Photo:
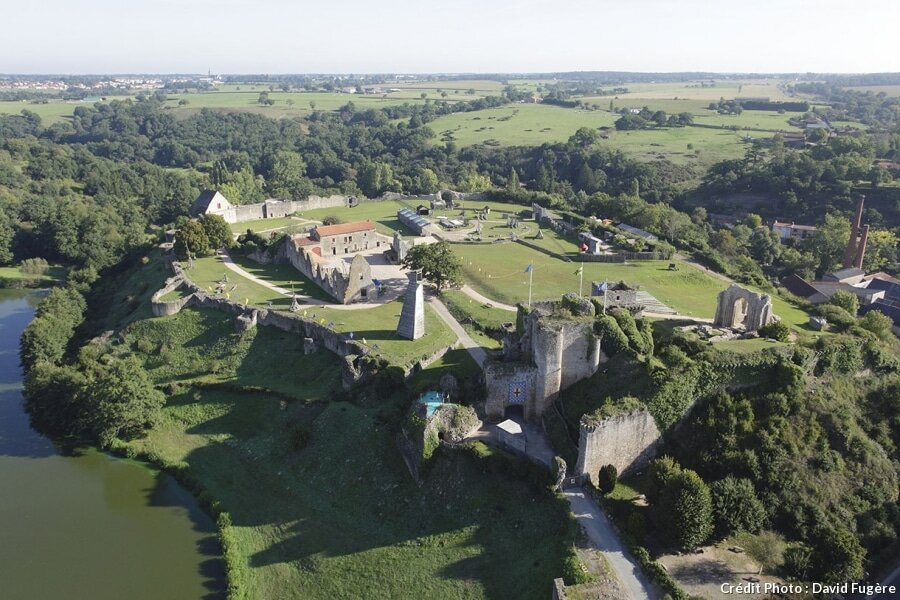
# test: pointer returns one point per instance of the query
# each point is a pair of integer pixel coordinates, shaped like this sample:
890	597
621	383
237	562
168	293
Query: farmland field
693	90
518	124
51	112
890	90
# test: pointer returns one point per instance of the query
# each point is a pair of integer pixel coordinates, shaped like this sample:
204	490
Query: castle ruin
740	308
552	348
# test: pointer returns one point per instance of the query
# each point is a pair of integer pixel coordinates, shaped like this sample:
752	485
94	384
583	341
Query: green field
14	277
535	124
383	214
517	125
758	119
497	271
376	325
287	104
292	104
335	514
694	90
51	112
268	225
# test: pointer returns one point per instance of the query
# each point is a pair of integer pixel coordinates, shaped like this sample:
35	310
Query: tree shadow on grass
347	493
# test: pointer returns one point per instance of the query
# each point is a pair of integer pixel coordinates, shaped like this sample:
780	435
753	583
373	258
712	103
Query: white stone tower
412	317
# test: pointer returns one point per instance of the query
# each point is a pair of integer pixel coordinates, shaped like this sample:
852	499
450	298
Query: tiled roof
344	228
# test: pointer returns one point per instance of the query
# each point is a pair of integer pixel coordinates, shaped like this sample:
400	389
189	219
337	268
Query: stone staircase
651	304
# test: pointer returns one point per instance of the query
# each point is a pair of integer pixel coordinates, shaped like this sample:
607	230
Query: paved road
598	529
474	349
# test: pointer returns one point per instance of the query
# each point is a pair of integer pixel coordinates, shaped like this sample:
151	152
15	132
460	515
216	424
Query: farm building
412	220
345	238
792	231
637	232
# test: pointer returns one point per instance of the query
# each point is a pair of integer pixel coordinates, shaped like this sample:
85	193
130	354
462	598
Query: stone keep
554	350
739	306
412	317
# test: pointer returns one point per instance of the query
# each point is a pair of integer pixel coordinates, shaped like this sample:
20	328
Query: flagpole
530	282
605	294
581	281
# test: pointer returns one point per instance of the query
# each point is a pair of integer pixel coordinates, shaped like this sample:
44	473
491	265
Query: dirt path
602	536
468	291
305	300
474	349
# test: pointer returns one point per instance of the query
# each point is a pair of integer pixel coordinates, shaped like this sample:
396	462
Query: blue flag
529	268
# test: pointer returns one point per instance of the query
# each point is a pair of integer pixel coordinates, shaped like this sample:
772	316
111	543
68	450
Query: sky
448	36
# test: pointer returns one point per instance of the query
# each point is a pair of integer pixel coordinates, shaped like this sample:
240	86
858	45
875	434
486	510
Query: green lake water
86	525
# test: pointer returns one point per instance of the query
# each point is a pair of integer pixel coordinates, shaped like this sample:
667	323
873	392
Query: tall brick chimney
861	251
852	250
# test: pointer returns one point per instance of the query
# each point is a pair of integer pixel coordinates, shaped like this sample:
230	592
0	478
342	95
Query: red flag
584	247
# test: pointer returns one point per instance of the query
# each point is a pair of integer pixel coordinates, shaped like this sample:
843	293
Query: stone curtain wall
164	309
628	442
280	208
319	336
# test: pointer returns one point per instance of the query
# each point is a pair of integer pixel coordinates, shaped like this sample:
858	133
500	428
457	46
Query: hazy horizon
466	37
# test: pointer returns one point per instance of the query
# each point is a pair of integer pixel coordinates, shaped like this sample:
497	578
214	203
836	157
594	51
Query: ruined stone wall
627	441
171	307
353	286
319	336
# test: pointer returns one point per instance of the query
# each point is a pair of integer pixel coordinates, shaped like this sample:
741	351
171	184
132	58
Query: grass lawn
383	214
14	277
498	272
465	308
284	276
336	516
377	325
267	225
209	270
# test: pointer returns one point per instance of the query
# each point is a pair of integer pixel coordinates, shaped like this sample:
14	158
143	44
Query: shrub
846	300
34	266
574	572
661	470
736	506
836	556
796	562
684	511
777	330
878	323
332	220
298	437
835	315
612	339
607	478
